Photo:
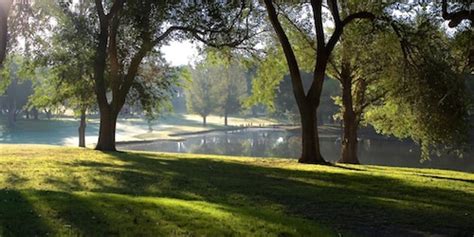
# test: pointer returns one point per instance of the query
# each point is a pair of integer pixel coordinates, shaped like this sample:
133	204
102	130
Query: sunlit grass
70	191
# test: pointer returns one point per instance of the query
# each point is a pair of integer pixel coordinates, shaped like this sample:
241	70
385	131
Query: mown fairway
47	190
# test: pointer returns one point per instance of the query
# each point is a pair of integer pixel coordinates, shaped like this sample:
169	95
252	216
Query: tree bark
307	104
311	153
108	116
108	120
82	129
120	83
349	139
204	121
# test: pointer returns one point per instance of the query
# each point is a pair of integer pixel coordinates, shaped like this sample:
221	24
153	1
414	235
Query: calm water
280	143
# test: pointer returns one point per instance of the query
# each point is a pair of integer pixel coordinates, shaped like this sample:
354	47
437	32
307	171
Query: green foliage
153	87
231	82
427	100
272	68
16	85
269	74
218	85
363	59
64	68
202	93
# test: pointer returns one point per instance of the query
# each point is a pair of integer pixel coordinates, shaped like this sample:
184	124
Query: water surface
280	143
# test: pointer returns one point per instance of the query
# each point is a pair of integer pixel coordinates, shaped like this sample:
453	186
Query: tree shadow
448	178
18	216
352	200
128	185
106	214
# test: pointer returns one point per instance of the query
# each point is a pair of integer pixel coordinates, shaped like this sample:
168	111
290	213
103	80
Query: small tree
231	86
202	91
64	69
17	87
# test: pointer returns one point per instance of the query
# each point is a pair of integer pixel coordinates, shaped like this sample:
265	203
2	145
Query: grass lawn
58	191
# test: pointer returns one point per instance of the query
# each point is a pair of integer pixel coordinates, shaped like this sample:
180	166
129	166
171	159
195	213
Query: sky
179	53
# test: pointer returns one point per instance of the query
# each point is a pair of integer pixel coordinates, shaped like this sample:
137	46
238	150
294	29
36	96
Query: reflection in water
279	143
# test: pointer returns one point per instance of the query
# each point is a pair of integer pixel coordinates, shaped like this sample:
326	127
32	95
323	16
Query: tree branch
298	89
340	27
113	55
316	5
455	18
302	33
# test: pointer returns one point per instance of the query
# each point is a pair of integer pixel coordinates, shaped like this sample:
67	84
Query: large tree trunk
349	144
307	102
349	139
108	120
311	153
204	121
82	129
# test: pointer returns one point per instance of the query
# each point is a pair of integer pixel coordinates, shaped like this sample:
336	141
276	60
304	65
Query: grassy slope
70	191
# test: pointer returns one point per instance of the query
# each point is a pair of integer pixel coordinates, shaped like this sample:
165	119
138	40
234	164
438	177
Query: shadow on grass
144	187
106	214
352	201
18	216
448	178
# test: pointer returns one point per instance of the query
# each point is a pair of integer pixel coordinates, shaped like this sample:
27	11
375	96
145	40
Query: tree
202	92
18	88
129	32
426	99
308	103
231	85
64	68
360	63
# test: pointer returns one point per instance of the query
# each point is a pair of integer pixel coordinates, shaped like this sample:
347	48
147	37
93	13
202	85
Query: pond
280	143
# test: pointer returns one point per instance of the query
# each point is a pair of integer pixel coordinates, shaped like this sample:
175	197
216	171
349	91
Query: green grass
55	191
